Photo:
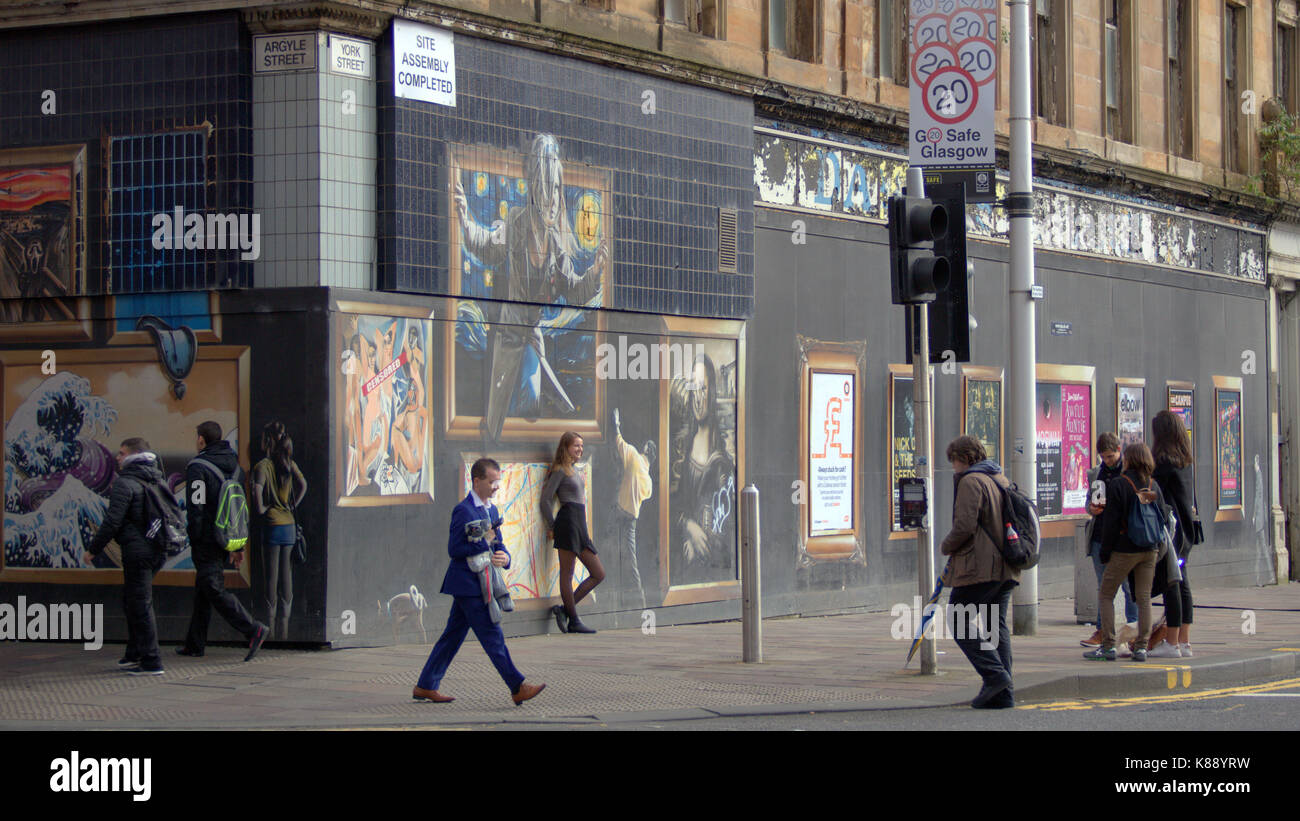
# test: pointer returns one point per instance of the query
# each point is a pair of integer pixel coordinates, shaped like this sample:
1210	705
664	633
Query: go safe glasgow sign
953	82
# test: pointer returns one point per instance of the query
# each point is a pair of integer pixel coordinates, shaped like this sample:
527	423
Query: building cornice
778	101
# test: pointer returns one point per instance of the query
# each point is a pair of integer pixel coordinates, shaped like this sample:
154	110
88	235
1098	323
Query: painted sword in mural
523	236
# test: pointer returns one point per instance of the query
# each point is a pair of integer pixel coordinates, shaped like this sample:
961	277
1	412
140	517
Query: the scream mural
525	230
384	408
65	415
41	244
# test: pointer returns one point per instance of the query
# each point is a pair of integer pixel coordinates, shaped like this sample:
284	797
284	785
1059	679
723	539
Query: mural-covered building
416	234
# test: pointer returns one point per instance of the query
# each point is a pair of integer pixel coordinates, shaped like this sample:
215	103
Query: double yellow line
1205	695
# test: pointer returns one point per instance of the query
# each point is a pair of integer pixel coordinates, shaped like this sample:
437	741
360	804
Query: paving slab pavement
829	663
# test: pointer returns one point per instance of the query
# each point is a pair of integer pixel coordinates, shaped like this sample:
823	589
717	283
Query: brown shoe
527	691
421	694
1158	635
1092	641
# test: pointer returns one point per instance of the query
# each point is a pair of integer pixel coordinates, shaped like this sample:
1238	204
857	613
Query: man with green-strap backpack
217	520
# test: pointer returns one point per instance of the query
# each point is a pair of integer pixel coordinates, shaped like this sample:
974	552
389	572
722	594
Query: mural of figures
702	469
534	571
385	409
405	608
62	428
634	487
278	488
40	234
522	233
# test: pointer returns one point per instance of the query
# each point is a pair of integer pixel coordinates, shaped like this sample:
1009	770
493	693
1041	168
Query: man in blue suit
468	610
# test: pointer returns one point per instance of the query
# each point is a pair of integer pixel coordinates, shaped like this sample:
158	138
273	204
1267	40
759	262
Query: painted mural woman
702	473
569	530
278	488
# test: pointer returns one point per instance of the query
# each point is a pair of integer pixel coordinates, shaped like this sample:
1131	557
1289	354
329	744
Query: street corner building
413	234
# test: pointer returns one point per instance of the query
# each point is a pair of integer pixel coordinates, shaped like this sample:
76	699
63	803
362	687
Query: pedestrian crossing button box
912	503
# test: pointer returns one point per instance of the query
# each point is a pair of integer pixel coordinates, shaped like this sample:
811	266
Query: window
891	34
149	175
699	16
1052	61
1118	70
794	27
1235	81
1288	67
1181	92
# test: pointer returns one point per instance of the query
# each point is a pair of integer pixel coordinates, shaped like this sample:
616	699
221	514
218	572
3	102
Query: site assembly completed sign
953	84
424	63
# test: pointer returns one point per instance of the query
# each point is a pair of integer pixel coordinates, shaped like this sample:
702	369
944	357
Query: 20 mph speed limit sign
953	78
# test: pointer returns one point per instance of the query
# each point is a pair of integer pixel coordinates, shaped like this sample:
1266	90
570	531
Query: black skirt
571	529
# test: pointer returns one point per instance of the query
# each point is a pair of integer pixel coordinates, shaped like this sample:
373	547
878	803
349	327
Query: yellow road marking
1286	649
1163	699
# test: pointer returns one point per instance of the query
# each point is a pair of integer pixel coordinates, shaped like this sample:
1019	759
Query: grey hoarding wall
829	282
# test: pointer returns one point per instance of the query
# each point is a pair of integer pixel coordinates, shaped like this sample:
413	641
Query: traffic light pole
922	425
1022	387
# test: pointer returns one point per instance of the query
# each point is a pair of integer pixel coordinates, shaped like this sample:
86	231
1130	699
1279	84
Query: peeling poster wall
795	171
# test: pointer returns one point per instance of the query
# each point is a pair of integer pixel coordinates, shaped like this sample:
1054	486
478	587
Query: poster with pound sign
953	74
830	452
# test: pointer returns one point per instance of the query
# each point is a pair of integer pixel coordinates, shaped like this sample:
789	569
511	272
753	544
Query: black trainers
127	663
990	691
1101	654
256	643
146	671
185	651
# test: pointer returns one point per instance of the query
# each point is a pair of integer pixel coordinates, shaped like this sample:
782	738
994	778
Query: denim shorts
281	534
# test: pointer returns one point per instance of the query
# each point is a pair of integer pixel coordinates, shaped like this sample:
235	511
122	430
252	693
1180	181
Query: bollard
750	581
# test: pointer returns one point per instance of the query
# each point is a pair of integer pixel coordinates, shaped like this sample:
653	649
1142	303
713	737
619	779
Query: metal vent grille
727	219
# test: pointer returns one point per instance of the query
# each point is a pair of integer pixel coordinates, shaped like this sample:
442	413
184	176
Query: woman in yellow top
278	488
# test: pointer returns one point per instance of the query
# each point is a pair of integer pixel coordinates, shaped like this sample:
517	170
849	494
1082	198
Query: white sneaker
1185	650
1164	650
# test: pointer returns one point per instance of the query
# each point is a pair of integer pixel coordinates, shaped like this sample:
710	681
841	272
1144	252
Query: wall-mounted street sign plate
284	52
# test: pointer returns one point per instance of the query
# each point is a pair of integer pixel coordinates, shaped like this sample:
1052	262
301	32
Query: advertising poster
830	452
984	415
1180	402
902	444
1129	411
1228	442
1048	426
1076	446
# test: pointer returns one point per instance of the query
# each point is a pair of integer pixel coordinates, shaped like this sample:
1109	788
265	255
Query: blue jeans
1130	606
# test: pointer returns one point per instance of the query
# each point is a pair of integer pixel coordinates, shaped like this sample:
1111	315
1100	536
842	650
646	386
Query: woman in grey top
569	529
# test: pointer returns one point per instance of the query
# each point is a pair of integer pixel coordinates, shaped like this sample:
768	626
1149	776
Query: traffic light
950	319
918	273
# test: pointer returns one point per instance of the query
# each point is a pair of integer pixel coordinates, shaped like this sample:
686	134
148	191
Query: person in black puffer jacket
125	522
1176	477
